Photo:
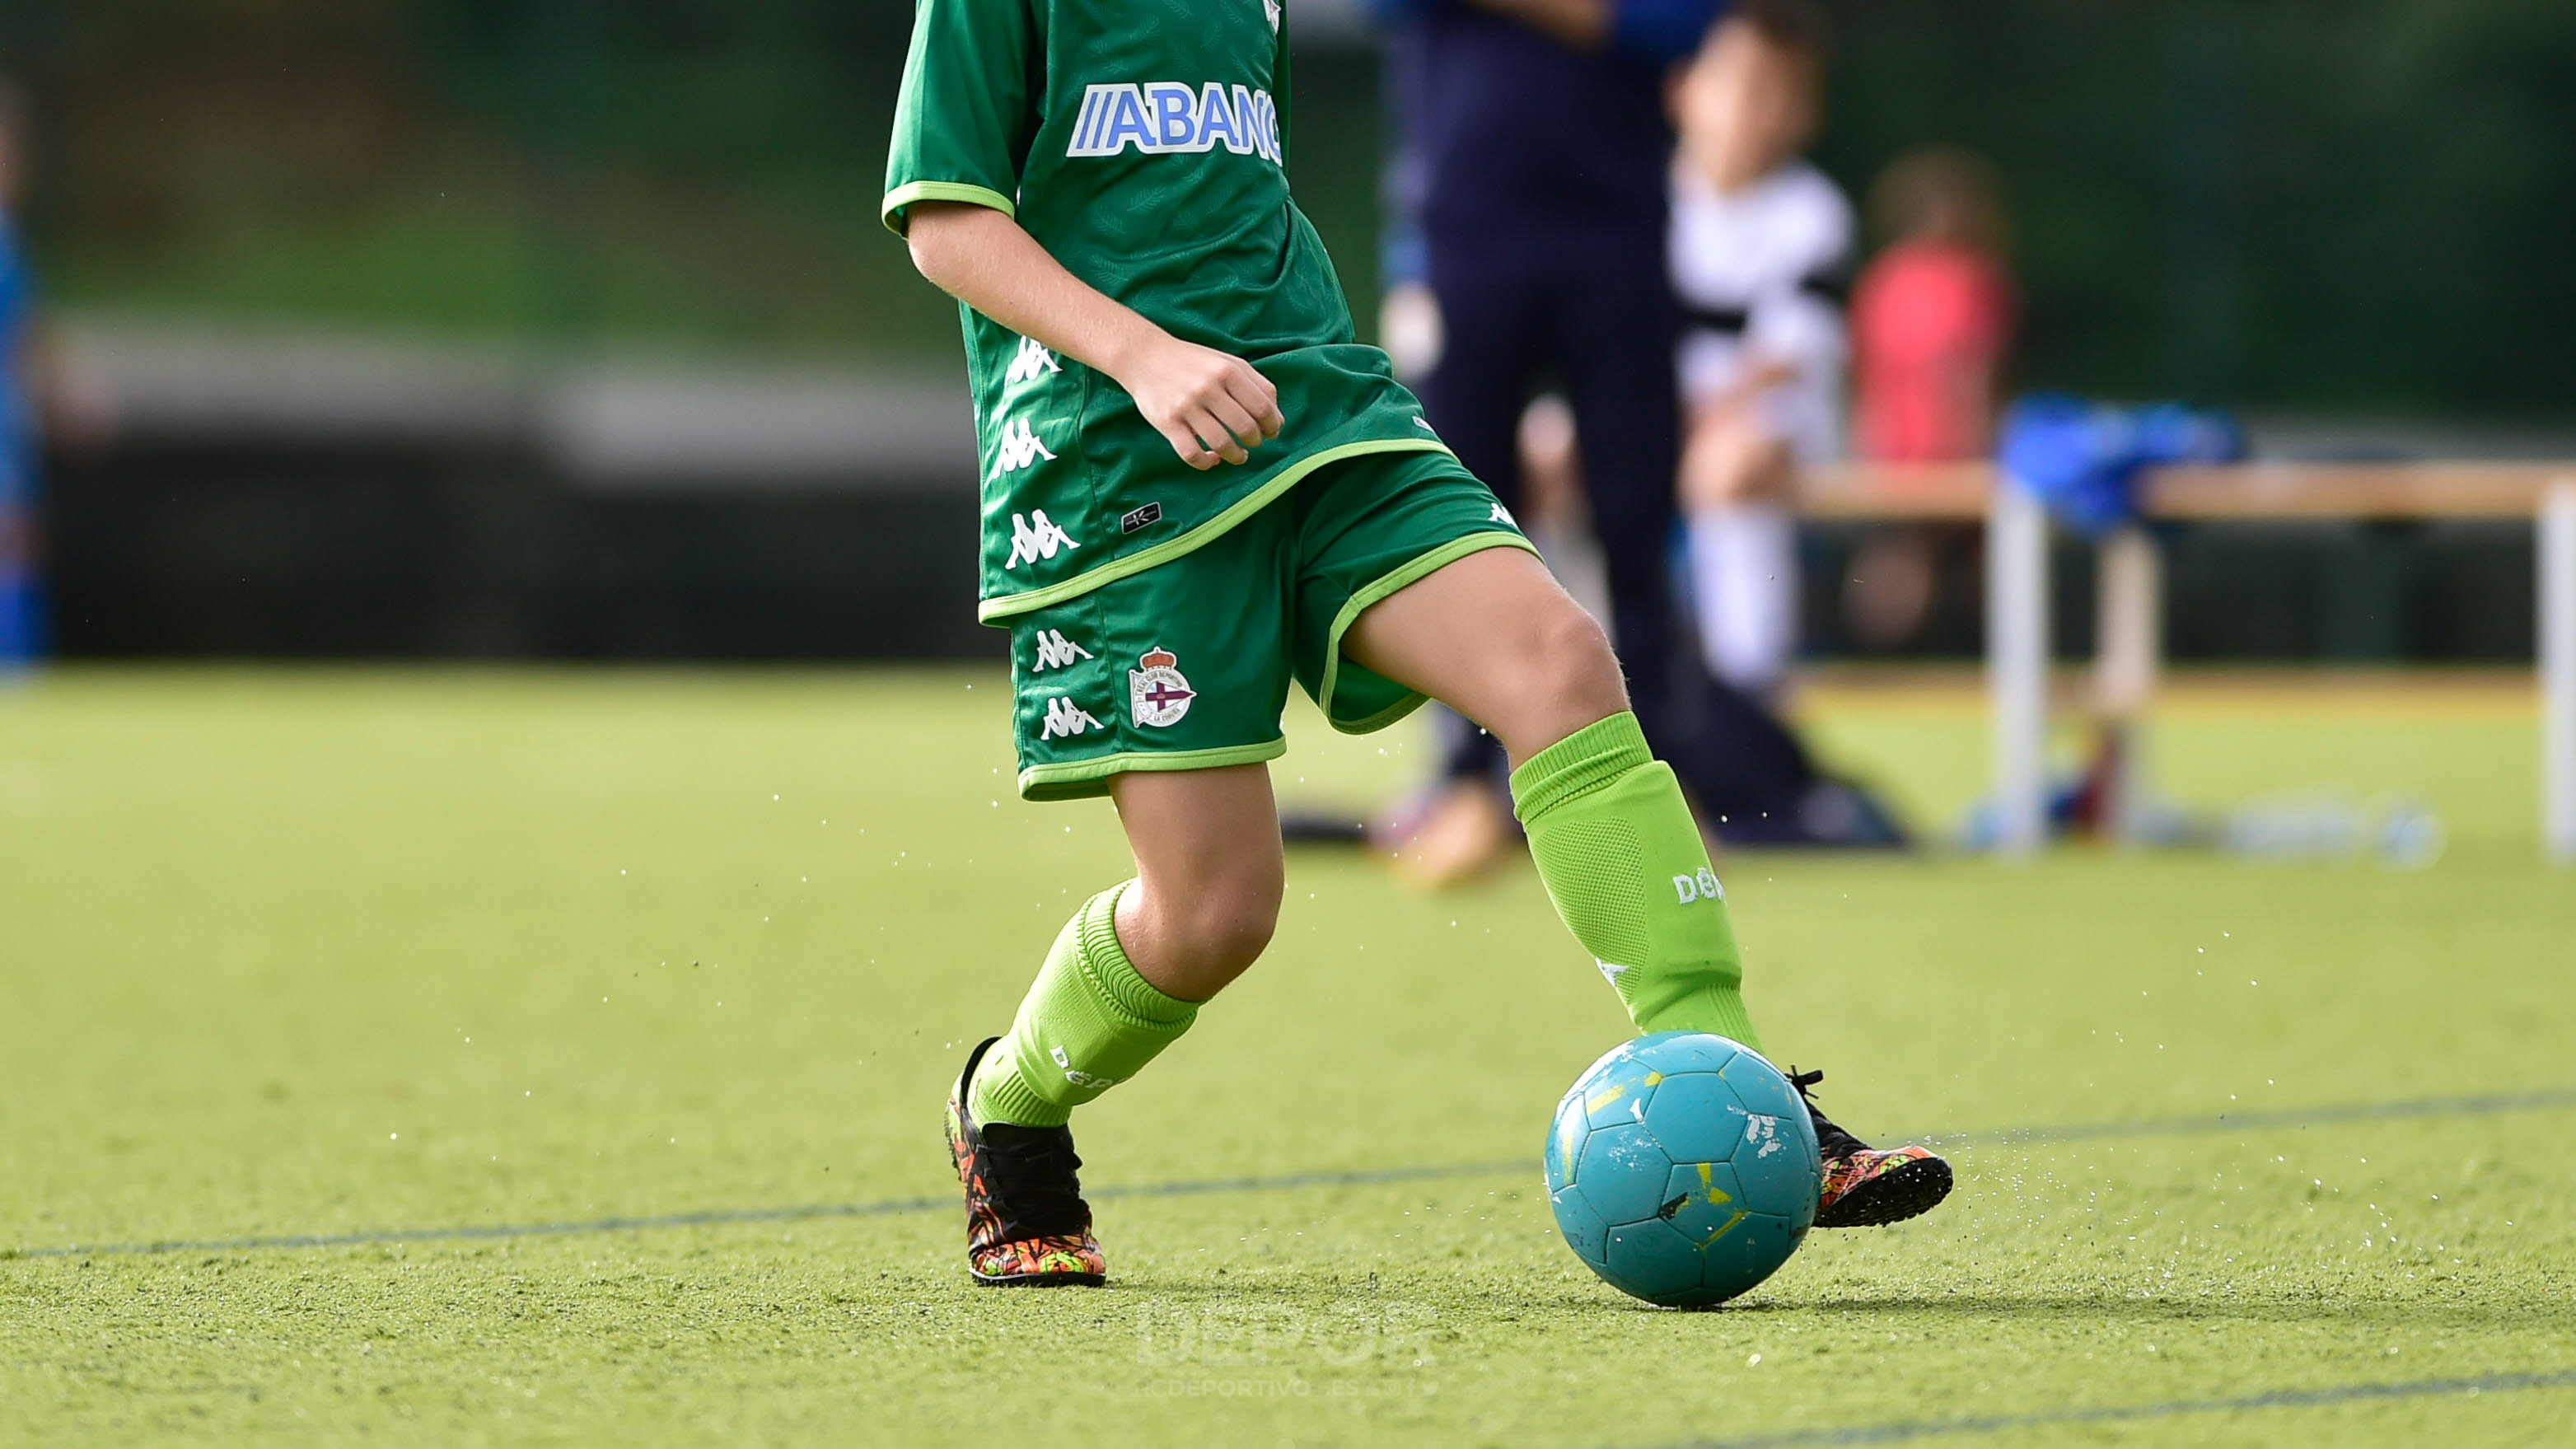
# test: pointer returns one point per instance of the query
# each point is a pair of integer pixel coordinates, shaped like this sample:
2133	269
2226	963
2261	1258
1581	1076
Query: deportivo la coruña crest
1157	692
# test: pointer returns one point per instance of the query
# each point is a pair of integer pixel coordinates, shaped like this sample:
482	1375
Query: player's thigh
1413	581
1495	637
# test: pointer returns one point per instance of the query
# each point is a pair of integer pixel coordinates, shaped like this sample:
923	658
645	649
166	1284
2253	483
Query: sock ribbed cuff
1105	962
1579	764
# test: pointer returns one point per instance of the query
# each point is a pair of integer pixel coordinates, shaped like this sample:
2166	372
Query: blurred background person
22	603
1932	320
1761	245
42	404
1535	157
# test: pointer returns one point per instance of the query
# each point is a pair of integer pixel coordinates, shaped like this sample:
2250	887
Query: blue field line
2278	1399
2476	1106
2479	1106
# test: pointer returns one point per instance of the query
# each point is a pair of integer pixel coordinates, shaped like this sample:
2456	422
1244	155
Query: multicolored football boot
1026	1222
1864	1187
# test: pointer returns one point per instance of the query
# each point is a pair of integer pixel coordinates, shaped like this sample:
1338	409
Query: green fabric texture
1088	1023
1630	875
1143	144
1232	624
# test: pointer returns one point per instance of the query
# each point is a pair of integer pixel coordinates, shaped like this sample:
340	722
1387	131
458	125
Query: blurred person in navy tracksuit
1532	200
1534	182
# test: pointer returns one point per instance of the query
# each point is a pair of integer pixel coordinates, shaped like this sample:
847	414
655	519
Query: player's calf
1209	875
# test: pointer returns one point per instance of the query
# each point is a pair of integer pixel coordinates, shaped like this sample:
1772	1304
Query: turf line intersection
2488	1104
2278	1399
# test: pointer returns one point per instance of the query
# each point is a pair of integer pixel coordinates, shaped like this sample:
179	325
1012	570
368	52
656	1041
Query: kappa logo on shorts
1056	651
1019	447
1064	717
1031	360
1157	694
1701	887
1145	517
1034	537
1271	8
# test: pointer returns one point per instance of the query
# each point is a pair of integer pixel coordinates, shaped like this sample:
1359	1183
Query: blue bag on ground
2082	458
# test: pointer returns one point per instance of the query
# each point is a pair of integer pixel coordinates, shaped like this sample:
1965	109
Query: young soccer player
1760	241
1197	487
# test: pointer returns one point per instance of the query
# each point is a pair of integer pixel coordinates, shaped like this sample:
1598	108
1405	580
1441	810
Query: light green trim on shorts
1171	548
1412	572
905	195
1077	779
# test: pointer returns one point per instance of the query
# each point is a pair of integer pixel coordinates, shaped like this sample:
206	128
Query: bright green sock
1088	1023
1624	862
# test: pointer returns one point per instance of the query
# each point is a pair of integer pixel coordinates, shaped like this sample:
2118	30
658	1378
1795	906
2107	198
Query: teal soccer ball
1683	1169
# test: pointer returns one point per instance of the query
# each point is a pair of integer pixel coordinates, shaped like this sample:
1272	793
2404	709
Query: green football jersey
1143	144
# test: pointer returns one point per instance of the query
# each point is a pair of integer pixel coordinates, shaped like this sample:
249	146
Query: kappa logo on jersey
1033	358
1145	517
1165	118
1034	537
1503	515
1064	717
1157	693
1271	8
1019	447
1701	887
1056	651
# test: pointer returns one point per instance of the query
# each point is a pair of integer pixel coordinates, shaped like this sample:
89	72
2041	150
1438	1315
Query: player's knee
1577	654
1225	924
1571	679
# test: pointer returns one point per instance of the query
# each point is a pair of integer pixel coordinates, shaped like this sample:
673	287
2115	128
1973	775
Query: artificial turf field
410	962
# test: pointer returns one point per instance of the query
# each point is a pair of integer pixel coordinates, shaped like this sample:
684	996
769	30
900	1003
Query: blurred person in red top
1932	320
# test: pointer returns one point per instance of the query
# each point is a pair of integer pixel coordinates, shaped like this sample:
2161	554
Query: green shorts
1186	665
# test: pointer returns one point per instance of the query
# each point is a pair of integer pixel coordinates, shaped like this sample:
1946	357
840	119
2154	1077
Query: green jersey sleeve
964	120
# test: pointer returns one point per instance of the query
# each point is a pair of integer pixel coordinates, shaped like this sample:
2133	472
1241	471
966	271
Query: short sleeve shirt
1143	144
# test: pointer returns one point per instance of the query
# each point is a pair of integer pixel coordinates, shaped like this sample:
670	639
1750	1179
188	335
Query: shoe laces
1032	1176
1831	1141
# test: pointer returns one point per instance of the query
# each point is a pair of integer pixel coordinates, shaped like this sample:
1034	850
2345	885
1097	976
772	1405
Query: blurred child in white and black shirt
1761	242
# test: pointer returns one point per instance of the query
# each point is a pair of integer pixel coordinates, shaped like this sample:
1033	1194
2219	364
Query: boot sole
1040	1280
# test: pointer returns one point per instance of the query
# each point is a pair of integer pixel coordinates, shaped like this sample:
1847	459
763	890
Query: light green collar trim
1169	549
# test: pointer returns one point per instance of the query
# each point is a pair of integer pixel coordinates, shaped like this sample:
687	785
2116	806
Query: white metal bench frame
2017	613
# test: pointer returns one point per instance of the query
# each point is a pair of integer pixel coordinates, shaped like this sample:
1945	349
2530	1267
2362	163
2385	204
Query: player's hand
1208	405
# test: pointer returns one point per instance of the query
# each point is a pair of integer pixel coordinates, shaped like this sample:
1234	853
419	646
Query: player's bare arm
1210	406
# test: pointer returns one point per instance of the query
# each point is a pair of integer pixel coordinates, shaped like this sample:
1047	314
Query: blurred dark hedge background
2321	205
